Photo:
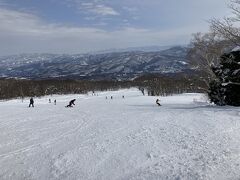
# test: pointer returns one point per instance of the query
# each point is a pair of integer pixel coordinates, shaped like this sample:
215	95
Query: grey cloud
26	33
94	7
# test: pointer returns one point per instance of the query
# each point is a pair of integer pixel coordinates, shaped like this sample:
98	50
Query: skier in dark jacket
31	102
71	103
157	102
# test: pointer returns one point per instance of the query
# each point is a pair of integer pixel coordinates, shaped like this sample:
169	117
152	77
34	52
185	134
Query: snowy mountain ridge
115	65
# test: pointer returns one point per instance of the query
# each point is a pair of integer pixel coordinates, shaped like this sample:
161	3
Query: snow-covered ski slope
129	138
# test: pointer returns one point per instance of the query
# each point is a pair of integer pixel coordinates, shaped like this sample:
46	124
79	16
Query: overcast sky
78	26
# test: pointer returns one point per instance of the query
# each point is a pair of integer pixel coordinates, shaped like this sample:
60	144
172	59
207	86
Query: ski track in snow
120	139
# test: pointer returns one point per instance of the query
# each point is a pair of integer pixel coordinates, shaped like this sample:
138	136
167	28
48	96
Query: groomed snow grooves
130	138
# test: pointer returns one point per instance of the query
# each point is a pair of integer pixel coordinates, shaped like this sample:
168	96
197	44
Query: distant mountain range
117	65
130	49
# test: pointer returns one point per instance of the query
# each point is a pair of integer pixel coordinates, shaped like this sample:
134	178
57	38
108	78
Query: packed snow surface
108	139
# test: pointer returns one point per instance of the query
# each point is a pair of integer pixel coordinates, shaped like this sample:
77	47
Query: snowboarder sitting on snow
157	102
71	103
31	102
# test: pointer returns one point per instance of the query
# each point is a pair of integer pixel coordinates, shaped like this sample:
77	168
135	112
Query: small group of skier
111	97
72	102
55	101
31	104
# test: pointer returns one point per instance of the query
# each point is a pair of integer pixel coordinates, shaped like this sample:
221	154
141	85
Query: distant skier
157	102
49	100
123	97
71	103
111	97
31	102
55	102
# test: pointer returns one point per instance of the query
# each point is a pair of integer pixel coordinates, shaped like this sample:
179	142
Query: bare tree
228	28
207	48
204	52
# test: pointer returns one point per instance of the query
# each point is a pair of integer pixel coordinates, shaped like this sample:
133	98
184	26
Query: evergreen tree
225	89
